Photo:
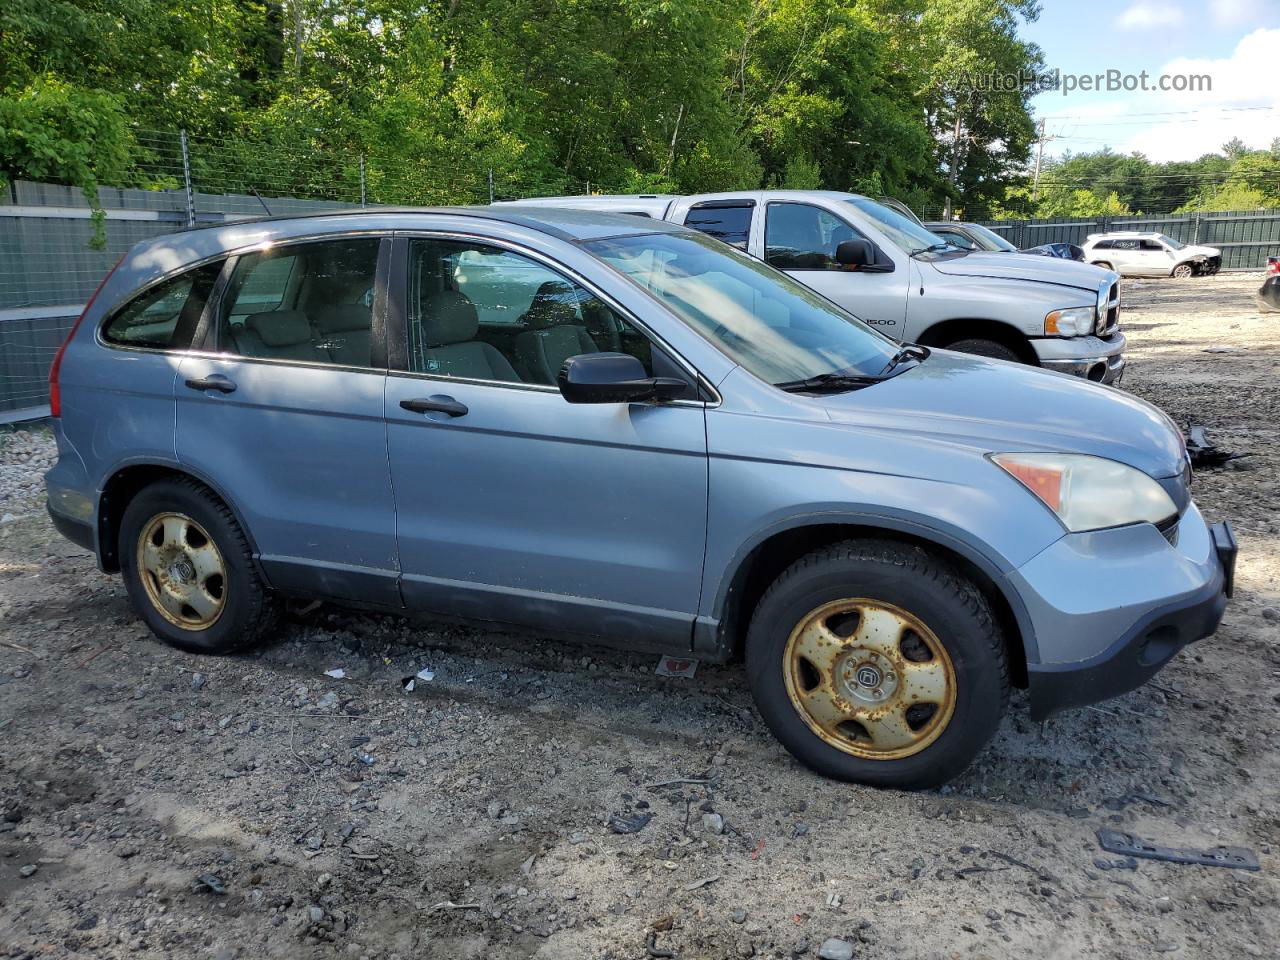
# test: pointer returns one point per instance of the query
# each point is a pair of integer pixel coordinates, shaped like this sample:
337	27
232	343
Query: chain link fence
50	262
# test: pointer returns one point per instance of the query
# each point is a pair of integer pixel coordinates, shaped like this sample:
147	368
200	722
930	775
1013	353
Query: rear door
282	412
801	239
514	505
1124	256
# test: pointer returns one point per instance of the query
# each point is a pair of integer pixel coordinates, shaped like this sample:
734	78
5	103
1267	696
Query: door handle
213	382
436	405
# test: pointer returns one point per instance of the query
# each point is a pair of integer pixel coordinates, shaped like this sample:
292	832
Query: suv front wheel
189	570
877	662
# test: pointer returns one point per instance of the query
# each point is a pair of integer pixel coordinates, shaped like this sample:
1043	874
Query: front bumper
1114	606
1269	294
1100	359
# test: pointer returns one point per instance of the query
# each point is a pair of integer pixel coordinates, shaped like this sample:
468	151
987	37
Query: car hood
1195	250
1024	266
995	406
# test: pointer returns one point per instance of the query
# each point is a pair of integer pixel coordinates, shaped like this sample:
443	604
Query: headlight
1070	322
1088	493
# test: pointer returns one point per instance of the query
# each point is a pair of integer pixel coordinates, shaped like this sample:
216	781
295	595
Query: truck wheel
189	571
1184	270
877	662
981	347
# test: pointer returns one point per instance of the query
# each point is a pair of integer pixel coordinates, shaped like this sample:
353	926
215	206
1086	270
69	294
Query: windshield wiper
828	382
931	248
908	351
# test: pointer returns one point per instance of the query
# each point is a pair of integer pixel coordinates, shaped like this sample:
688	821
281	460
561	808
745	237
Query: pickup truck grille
1110	320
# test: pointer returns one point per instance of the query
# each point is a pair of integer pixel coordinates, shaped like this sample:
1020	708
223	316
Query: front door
284	414
801	240
514	505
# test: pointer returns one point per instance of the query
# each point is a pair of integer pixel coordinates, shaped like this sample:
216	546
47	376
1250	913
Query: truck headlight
1069	322
1088	493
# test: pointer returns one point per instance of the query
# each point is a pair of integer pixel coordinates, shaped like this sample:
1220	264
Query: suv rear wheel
877	662
189	570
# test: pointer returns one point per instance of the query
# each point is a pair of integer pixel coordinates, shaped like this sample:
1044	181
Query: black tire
1183	271
982	347
1105	265
248	611
926	587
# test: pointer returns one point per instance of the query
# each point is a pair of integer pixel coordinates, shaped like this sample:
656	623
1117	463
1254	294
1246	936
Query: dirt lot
470	818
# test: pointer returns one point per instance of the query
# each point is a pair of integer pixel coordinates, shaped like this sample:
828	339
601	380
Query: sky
1235	42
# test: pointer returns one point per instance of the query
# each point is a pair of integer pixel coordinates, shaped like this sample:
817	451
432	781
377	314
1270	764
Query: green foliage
549	95
801	174
51	131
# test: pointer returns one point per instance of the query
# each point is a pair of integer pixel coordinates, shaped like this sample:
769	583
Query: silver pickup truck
893	273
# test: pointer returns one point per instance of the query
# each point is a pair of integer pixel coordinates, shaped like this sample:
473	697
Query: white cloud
1240	80
1146	15
1242	103
1233	13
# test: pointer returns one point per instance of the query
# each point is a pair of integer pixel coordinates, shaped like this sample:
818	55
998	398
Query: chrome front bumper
1105	370
1100	359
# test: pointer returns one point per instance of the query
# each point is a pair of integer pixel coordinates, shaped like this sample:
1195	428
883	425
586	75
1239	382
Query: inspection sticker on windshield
676	667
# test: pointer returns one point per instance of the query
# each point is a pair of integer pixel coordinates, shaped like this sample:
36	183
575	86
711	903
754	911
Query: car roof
1125	233
169	252
565	222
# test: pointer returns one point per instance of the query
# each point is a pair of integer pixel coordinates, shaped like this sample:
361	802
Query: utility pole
954	173
1035	188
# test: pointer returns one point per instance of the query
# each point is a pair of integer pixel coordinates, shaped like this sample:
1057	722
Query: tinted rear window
730	224
165	316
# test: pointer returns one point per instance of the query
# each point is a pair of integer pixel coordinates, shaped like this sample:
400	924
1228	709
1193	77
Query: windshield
1175	244
991	240
773	326
907	234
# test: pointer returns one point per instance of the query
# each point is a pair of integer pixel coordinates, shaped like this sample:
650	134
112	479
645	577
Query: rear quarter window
164	317
728	223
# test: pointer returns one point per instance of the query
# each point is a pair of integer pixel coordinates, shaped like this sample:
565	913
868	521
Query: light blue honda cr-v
620	429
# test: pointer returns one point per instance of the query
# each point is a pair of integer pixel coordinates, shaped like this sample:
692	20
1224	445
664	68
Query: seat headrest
341	317
280	328
449	317
551	306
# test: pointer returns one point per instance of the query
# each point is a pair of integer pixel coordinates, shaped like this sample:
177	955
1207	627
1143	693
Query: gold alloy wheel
870	678
182	570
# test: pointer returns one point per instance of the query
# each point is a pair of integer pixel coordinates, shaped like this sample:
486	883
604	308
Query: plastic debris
1204	453
634	824
1239	858
211	882
676	667
422	676
337	673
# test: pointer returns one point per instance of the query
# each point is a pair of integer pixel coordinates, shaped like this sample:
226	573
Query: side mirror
613	378
855	253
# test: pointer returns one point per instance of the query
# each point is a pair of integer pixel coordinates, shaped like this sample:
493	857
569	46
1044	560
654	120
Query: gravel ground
477	816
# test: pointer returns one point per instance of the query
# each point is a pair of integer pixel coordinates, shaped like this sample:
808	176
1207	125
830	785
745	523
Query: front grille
1111	319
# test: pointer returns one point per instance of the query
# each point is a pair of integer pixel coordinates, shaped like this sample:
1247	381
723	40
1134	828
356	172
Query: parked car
648	438
1133	254
1269	292
976	237
970	236
1061	250
906	282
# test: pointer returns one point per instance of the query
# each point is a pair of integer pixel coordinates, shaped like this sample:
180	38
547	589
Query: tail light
1273	266
55	368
